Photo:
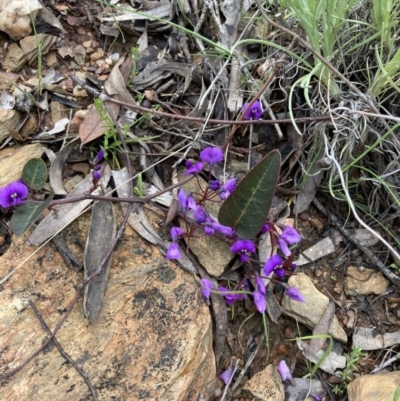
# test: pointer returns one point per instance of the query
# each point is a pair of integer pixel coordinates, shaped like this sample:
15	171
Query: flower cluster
195	214
97	166
13	194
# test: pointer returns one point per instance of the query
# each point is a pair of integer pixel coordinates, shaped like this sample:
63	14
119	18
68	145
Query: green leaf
26	215
396	395
247	207
34	173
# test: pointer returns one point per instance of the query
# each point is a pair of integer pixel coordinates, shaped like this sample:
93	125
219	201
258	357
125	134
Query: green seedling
351	366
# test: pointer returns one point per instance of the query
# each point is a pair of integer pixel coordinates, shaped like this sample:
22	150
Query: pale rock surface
151	341
265	385
213	253
8	118
380	387
310	311
364	282
16	17
13	160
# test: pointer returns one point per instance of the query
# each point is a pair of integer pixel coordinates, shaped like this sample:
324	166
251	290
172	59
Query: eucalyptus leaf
34	174
246	208
26	215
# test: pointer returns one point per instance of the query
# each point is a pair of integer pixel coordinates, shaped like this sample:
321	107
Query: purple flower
294	293
271	264
229	298
96	175
254	112
199	214
224	230
176	233
265	228
214	184
208	230
13	194
188	163
226	375
194	169
186	202
211	155
259	301
99	157
260	285
290	235
226	189
284	247
242	247
173	251
206	287
280	273
284	371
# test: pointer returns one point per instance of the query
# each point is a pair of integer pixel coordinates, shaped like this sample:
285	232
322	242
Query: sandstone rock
364	282
13	160
265	385
152	339
10	119
310	311
374	387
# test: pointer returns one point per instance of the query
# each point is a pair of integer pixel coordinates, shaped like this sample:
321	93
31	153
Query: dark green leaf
34	173
247	207
26	215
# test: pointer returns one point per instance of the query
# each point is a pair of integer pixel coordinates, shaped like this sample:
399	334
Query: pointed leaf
26	215
34	173
246	208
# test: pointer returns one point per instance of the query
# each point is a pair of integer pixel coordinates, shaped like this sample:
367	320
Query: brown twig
130	106
63	353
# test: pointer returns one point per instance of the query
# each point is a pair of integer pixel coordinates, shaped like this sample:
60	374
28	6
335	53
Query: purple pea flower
99	157
294	293
226	189
229	298
214	184
271	264
199	214
224	230
284	247
13	194
211	155
265	228
284	371
208	230
290	235
259	301
226	375
260	285
194	169
206	287
176	233
254	112
96	175
186	202
243	247
173	251
188	163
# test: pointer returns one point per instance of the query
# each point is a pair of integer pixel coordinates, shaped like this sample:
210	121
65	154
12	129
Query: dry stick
335	221
133	199
258	95
63	353
130	106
